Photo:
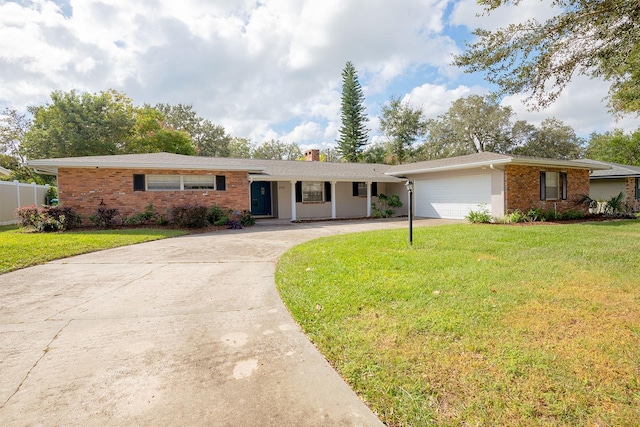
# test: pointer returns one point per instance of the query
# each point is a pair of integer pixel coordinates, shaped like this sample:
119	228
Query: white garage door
452	197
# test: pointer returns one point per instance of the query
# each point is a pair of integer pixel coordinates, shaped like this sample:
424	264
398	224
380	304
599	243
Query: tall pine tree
353	132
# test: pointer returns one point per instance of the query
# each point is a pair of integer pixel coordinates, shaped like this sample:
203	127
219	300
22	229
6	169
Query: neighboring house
446	188
4	171
606	184
451	187
268	188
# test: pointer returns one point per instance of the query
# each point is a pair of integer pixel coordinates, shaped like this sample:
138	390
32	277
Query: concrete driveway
183	331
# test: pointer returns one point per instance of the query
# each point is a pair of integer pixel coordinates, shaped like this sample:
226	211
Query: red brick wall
630	193
522	188
84	190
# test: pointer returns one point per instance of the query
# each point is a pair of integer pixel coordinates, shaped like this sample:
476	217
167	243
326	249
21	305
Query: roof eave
449	167
499	162
51	166
277	178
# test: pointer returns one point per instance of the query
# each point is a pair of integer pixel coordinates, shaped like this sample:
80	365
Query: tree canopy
353	133
79	125
209	139
471	125
402	125
599	39
615	146
553	139
277	150
13	126
475	124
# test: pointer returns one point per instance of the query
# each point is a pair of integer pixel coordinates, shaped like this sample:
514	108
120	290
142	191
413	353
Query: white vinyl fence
14	195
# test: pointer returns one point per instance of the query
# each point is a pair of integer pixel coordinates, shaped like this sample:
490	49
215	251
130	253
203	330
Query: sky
268	69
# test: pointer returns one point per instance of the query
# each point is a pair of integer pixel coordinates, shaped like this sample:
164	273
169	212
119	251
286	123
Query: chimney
312	155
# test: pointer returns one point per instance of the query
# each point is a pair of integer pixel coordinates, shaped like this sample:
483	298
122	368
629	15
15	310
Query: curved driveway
184	331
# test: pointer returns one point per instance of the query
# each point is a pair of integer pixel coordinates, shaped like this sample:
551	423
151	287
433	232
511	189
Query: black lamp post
409	185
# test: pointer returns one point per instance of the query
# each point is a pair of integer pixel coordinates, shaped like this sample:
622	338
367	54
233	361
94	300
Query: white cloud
252	67
436	99
581	106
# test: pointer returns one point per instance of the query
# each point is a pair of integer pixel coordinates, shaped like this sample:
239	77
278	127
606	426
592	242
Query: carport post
409	185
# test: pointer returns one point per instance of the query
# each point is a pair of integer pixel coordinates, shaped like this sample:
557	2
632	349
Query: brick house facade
632	193
522	189
85	190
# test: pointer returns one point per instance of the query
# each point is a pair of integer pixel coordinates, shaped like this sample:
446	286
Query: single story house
445	188
268	188
608	183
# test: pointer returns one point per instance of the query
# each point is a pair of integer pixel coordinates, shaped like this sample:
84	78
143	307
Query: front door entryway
260	198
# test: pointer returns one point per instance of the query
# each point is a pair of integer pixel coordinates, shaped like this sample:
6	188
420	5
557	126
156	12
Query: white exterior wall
347	206
457	192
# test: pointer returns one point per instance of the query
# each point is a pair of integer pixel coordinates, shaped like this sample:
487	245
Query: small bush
216	213
28	216
48	218
386	206
515	217
246	219
149	216
482	215
573	215
104	217
190	216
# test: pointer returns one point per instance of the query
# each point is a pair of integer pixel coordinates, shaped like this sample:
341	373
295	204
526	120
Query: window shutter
543	186
138	183
327	191
221	183
637	188
354	189
563	180
374	188
298	192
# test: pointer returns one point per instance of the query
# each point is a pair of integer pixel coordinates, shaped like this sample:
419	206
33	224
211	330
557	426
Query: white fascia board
542	162
53	165
450	167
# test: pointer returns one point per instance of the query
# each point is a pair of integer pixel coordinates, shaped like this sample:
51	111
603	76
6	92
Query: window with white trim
312	191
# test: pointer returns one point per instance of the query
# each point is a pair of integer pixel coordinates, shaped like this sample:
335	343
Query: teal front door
261	198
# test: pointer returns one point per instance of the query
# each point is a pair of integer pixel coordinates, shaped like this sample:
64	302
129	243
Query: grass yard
19	249
478	324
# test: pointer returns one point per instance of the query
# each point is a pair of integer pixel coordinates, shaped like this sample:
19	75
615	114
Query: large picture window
179	182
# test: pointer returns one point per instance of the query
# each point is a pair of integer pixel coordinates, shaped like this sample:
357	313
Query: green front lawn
478	324
19	249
